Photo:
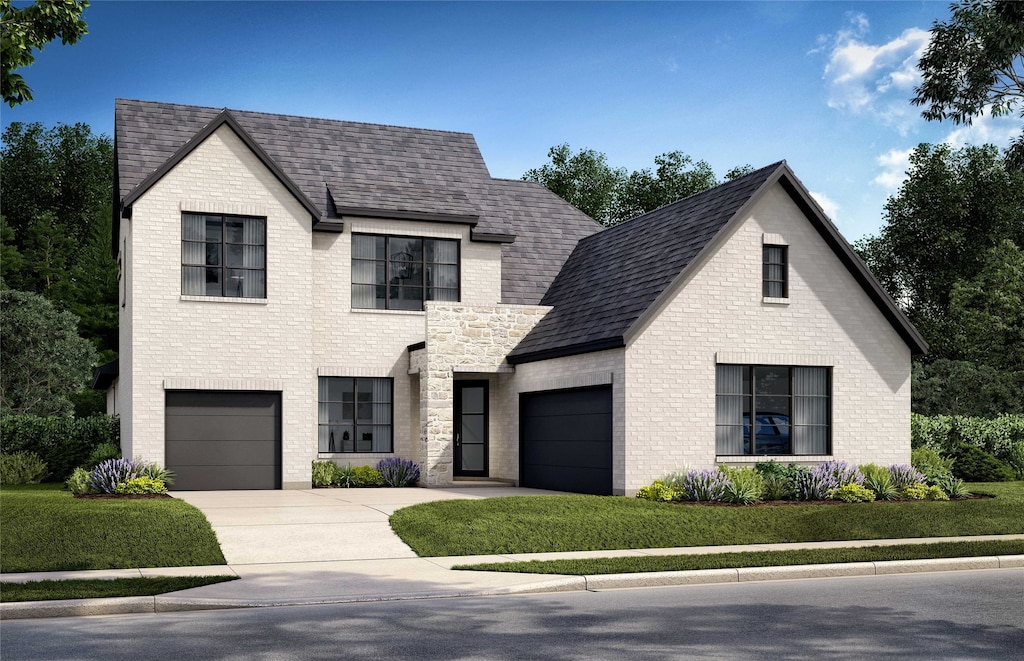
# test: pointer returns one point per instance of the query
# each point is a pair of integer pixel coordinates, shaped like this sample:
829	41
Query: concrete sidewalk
342	581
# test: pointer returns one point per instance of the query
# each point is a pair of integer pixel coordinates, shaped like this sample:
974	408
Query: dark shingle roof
372	169
614	276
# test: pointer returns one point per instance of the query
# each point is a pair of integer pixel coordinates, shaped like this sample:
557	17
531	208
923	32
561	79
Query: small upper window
400	272
223	256
775	273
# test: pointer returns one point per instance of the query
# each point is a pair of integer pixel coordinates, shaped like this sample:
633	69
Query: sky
824	85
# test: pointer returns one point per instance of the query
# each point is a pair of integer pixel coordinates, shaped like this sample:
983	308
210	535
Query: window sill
342	455
224	299
774	301
414	313
781	458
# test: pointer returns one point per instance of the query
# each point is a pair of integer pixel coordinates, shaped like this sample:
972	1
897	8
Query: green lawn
43	528
535	524
628	565
97	588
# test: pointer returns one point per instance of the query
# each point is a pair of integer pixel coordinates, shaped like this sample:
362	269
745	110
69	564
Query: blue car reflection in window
772	434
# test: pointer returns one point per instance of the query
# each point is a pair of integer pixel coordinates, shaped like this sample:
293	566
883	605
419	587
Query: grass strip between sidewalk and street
102	588
45	528
658	563
539	524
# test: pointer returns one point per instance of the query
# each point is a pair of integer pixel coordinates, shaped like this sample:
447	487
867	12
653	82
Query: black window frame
223	244
358	428
753	423
390	288
767	263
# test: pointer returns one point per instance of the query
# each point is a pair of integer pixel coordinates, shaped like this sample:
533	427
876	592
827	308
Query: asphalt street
951	615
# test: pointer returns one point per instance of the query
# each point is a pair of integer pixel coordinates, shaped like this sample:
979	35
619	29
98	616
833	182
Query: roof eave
604	344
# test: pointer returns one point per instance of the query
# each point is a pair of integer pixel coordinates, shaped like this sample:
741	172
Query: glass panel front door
471	428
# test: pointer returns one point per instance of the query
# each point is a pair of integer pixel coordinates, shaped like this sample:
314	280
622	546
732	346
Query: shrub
904	475
78	483
945	432
777	487
975	465
140	485
851	492
107	475
62	443
323	474
823	479
878	480
780	479
921	491
931	463
704	485
953	486
21	468
344	476
155	472
658	491
395	472
101	453
366	476
1015	458
746	486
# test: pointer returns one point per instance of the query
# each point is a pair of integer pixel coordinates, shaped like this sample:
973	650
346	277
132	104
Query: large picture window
223	256
355	414
400	273
767	409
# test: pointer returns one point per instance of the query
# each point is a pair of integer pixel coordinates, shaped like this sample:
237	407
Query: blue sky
824	85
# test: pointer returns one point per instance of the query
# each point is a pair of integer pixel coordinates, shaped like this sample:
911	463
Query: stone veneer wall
463	339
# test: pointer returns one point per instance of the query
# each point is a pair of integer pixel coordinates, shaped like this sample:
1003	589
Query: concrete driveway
318	525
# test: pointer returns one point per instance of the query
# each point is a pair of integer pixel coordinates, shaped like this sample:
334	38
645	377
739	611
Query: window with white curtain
223	256
401	272
775	271
772	410
355	414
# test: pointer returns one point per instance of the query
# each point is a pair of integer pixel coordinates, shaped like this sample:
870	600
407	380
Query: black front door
471	428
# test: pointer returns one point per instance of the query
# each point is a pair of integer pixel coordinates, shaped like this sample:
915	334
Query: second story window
400	272
223	256
775	276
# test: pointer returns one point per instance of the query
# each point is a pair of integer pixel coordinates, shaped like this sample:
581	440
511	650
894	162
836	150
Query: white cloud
877	79
986	129
894	164
827	204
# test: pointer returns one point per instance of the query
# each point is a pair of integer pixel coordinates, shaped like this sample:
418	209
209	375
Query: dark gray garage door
223	439
566	440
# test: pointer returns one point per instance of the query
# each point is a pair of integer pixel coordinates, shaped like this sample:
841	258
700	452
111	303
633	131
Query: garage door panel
566	454
582	401
224	427
569	427
221	453
577	480
267	404
199	478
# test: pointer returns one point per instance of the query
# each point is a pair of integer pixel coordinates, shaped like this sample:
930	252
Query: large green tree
55	184
44	360
975	63
29	29
611	195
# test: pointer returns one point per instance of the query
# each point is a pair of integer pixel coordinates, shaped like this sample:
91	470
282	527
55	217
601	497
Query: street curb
171	604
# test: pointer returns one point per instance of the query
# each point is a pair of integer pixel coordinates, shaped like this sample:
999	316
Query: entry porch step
460	482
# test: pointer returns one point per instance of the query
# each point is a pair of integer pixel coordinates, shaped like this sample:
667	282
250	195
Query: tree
23	31
610	196
973	63
44	359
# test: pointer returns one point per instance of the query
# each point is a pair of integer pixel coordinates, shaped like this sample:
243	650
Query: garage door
566	440
223	440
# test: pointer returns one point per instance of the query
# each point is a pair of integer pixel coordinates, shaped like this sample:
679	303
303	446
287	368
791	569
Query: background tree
44	359
974	62
610	195
23	31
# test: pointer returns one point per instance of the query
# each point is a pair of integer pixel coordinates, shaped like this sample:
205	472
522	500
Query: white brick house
296	289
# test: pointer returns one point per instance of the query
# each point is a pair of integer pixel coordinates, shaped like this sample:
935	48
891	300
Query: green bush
945	432
780	480
878	480
101	453
1016	458
746	486
62	443
931	463
140	485
323	474
923	492
973	464
21	468
953	486
78	483
658	491
367	476
777	487
851	492
155	472
345	476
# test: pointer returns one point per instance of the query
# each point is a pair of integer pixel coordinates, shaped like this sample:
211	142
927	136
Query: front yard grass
44	528
632	564
98	588
537	524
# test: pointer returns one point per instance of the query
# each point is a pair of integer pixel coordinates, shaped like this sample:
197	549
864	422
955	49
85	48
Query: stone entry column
436	401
